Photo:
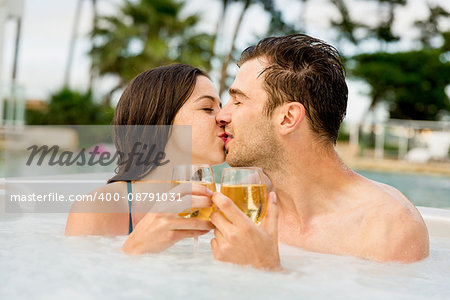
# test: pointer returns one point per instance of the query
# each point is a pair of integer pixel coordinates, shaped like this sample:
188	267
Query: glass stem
195	245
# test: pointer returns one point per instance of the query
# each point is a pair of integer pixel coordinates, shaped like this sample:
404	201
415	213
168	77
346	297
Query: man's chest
331	234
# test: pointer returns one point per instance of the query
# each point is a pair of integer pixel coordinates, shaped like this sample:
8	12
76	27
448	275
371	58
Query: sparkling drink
250	198
202	213
197	173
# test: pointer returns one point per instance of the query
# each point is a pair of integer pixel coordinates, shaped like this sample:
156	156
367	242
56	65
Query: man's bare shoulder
99	214
392	228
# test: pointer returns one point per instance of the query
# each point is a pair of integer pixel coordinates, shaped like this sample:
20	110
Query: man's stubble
257	146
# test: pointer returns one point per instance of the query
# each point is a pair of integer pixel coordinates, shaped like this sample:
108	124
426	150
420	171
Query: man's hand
238	240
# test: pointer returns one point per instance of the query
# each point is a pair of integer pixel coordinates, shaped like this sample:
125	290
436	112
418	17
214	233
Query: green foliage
429	28
146	34
412	83
68	107
380	31
277	25
149	33
345	26
344	135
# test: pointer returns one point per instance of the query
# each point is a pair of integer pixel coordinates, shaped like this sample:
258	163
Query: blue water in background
421	189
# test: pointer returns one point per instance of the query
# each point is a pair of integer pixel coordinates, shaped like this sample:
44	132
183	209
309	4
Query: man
287	103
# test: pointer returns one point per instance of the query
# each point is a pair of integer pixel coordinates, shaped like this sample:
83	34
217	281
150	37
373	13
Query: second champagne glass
245	186
201	174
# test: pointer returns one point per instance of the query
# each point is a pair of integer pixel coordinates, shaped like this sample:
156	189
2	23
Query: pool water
38	262
420	189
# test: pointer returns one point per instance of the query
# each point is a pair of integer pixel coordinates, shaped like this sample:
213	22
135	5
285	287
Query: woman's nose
223	118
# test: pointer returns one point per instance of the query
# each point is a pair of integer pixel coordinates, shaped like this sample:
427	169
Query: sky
47	27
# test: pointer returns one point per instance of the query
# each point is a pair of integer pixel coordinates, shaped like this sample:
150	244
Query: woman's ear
291	115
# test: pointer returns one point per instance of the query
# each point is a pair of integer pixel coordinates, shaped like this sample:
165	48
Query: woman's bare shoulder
103	211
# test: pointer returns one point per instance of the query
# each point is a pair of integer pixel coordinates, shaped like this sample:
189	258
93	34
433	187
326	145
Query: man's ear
291	115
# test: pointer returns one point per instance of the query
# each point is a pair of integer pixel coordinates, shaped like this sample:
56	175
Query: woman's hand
156	232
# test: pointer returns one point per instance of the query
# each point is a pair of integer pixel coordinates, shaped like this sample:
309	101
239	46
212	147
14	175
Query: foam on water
38	261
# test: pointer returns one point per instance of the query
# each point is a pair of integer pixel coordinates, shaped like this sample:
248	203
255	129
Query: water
421	189
38	262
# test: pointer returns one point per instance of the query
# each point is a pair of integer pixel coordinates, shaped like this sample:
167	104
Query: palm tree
277	26
72	43
94	25
430	27
227	60
147	34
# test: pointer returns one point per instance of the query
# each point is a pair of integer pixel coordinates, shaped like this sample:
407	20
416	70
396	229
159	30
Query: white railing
12	106
417	140
12	102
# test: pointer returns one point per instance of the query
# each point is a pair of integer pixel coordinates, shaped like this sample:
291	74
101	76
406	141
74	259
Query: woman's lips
226	137
223	137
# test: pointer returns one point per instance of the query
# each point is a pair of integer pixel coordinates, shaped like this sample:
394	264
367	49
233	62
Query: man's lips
229	138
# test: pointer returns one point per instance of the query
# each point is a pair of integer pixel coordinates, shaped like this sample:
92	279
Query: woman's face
200	111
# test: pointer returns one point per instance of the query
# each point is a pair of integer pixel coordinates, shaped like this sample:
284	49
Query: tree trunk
16	50
371	110
94	25
72	43
107	98
223	74
219	25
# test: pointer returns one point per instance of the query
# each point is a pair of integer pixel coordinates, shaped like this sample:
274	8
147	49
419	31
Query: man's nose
223	118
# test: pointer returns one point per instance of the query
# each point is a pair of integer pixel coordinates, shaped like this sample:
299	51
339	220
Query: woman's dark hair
153	97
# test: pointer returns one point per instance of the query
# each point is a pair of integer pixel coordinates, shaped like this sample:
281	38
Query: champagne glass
201	174
245	186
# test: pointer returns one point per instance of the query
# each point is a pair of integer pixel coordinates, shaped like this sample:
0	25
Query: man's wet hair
307	70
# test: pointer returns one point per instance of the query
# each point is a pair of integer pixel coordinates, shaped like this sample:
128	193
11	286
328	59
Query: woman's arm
154	232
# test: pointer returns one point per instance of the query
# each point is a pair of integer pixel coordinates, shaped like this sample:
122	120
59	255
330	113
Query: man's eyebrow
237	92
210	98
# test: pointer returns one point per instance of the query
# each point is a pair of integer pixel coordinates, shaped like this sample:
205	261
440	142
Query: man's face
251	139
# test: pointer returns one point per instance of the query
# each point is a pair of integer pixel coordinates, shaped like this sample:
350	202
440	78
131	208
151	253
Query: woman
176	94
